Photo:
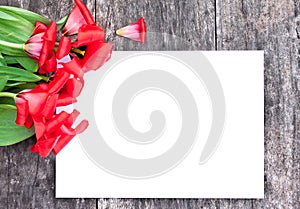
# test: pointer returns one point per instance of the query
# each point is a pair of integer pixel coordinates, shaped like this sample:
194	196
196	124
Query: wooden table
28	181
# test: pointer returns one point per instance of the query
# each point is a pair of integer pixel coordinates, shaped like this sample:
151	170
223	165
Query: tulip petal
49	43
50	34
96	55
65	99
73	67
59	80
22	111
39	127
36	38
62	142
85	12
39	28
88	34
73	116
36	101
57	121
29	121
135	31
67	130
40	88
50	106
44	53
63	48
74	87
45	145
82	126
74	22
33	50
50	65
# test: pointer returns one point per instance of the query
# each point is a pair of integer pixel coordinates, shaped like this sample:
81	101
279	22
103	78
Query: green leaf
10	133
14	30
29	64
2	62
10	60
14	83
27	86
7	100
20	87
62	22
11	36
14	24
3	81
28	15
17	74
5	16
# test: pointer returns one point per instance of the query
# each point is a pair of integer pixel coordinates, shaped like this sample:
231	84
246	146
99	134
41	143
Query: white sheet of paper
223	159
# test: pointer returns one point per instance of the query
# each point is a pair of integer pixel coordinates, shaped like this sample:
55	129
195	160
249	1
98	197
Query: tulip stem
8	106
44	78
8	94
11	45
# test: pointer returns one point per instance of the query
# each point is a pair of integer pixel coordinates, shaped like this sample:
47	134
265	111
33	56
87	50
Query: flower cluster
42	70
37	106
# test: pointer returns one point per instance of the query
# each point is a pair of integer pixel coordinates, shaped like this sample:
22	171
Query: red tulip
97	52
58	132
40	46
135	31
34	44
37	106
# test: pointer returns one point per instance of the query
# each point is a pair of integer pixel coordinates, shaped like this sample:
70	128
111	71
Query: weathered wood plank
4	184
192	21
274	27
26	180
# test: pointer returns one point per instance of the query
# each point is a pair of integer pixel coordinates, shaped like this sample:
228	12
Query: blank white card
169	124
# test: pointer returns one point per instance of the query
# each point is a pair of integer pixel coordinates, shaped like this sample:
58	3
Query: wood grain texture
271	26
28	181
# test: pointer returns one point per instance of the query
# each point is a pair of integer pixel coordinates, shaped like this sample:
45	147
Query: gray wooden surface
28	181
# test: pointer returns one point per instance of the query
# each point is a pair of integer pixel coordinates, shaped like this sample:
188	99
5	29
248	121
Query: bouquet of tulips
42	67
